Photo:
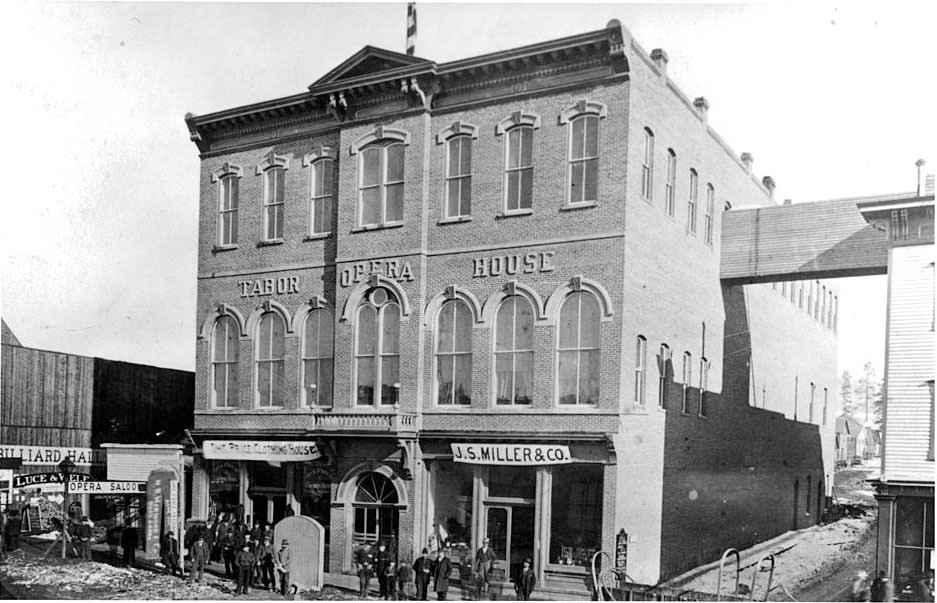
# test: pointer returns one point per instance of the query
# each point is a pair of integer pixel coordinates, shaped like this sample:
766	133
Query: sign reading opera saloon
511	454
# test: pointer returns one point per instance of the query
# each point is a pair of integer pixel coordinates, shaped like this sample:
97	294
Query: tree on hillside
868	394
846	393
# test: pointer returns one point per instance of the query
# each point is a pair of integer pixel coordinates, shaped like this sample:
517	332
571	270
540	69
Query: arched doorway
376	509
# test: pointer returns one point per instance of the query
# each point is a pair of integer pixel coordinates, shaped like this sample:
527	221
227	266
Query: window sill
369	227
317	236
514	213
218	248
270	243
575	206
455	220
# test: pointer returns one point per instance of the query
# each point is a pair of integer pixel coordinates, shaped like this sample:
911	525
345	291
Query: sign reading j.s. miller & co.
511	454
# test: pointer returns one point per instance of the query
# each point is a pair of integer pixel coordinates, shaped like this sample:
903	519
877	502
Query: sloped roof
370	60
6	334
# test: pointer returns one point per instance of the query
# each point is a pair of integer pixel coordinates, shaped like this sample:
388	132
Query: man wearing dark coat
422	572
228	551
364	560
442	568
381	564
200	554
525	581
169	552
128	541
484	562
245	563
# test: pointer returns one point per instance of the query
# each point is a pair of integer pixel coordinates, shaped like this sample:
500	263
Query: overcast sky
100	208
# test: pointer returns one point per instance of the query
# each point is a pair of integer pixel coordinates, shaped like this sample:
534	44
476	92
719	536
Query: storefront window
914	539
452	504
316	497
223	487
576	514
512	482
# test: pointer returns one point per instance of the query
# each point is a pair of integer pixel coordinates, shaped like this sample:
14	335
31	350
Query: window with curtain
380	189
318	336
274	193
454	353
322	200
519	169
578	351
377	349
514	351
459	176
271	360
584	159
224	363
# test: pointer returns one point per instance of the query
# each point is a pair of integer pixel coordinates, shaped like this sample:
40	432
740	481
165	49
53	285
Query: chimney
929	184
748	159
660	58
768	183
702	105
920	180
788	201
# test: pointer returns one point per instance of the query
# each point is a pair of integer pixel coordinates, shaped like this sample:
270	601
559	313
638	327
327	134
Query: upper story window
381	167
692	202
274	193
813	393
647	167
826	402
518	161
270	350
377	349
318	338
664	367
671	182
710	210
583	171
687	375
579	350
459	176
322	191
899	230
454	353
228	177
810	298
514	352
703	384
224	363
640	370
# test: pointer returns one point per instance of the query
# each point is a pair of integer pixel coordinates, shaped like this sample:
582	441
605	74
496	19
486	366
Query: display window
223	488
914	539
576	514
452	508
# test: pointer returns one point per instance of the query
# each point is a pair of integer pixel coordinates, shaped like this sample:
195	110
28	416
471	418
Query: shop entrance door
511	531
269	507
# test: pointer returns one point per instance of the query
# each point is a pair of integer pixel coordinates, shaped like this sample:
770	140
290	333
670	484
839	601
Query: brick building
439	302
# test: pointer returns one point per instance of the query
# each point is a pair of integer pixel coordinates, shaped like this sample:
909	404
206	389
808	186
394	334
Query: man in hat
364	560
169	552
245	565
200	553
382	562
442	568
484	563
265	554
421	574
525	581
283	559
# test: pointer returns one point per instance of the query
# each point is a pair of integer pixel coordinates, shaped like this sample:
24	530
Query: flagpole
411	28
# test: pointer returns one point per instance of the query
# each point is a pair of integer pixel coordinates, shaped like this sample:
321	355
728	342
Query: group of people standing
429	574
249	555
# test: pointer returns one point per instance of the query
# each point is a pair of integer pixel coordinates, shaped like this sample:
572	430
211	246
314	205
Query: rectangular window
519	169
703	385
692	203
813	393
800	294
459	177
381	181
710	208
687	374
826	402
640	371
663	367
228	210
584	160
274	187
647	168
323	197
671	182
823	304
810	311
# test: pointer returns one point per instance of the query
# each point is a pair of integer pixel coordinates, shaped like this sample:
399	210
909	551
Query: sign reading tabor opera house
251	450
511	454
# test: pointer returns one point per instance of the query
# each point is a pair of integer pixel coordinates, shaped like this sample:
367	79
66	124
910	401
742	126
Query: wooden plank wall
46	398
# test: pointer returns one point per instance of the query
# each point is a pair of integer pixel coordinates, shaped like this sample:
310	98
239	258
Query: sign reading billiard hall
511	454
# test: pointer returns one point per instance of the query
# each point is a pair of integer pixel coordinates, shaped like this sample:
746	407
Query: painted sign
269	286
35	480
250	450
399	270
106	487
53	455
510	454
513	264
306	540
161	494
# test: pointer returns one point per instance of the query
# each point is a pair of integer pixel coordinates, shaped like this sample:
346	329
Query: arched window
228	209
519	169
671	182
514	351
270	349
224	363
640	370
377	349
274	194
375	505
459	176
578	350
454	353
584	159
664	368
322	199
317	358
692	202
647	168
380	187
710	210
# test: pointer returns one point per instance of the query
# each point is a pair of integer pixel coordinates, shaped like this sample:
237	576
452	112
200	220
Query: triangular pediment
369	61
